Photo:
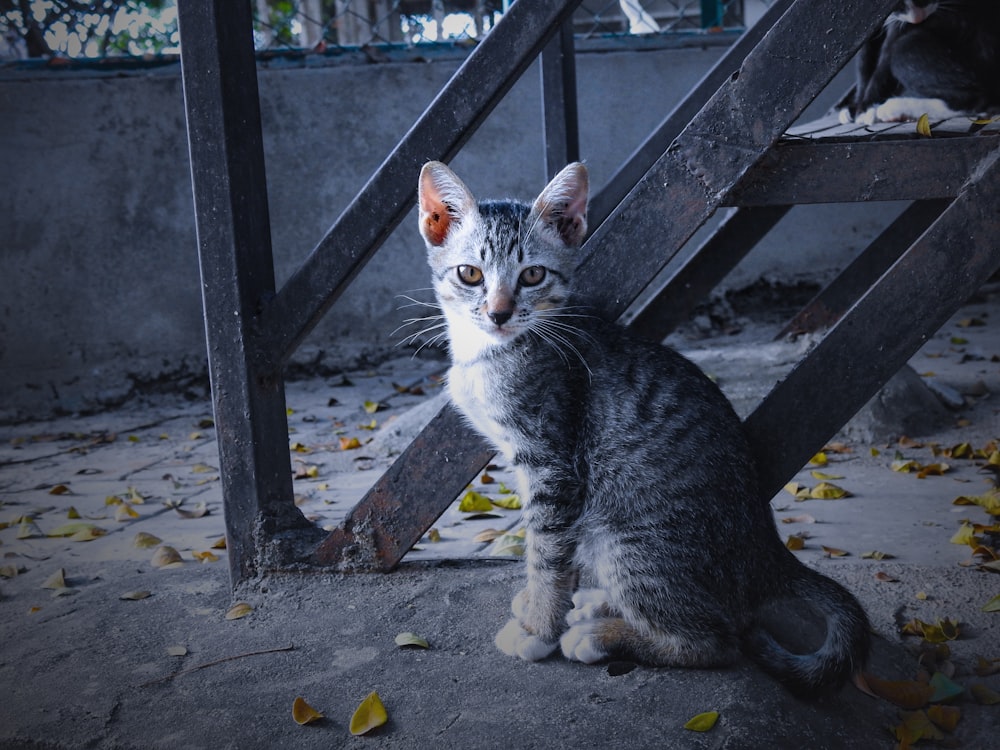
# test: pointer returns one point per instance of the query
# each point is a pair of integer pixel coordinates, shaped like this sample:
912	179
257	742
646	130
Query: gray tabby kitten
633	467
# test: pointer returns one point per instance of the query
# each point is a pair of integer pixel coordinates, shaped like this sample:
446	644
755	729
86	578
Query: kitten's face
501	269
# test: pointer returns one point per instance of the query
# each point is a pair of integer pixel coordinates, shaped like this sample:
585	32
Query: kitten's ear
443	200
563	204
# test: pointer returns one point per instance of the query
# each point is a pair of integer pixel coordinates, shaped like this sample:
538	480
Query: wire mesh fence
107	28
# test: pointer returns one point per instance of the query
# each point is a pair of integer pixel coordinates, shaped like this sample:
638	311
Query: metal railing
115	28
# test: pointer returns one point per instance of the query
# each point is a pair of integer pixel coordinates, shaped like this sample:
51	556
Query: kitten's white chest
470	389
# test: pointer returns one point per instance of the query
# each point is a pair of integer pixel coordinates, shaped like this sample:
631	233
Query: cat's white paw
514	640
868	117
844	116
578	643
587	604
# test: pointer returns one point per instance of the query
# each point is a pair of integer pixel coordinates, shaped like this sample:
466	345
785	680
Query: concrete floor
82	667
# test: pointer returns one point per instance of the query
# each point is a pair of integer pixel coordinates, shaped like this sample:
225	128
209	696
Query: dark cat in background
934	57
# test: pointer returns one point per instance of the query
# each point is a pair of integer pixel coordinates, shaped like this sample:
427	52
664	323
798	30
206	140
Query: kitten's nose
500	316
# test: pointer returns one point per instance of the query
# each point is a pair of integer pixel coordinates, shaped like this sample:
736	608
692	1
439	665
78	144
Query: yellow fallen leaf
373	406
411	639
945	717
508	545
828	491
824	475
205	557
303	713
508	502
833	551
72	513
177	650
475	502
434	535
134	596
166	556
69	529
202	469
795	542
219	543
993	605
145	540
907	694
964	535
300	448
702	722
28	529
369	715
125	513
238	610
984	695
487	535
60	489
820	459
876	555
348	444
924	125
56	580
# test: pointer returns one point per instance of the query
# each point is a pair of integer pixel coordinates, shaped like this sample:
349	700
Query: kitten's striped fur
633	466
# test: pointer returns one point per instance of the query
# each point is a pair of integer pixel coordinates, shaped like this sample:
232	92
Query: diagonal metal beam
826	307
632	170
450	120
737	126
703	269
924	288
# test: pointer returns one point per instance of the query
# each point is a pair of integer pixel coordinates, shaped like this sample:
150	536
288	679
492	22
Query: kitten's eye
470	275
533	275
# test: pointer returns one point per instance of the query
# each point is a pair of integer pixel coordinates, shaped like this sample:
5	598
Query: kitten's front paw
579	643
588	604
514	640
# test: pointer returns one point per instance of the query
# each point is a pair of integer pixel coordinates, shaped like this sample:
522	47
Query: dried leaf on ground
984	695
198	511
177	650
993	605
369	715
804	518
349	444
238	610
508	502
938	632
166	556
876	555
944	688
702	722
303	713
145	540
125	513
411	639
57	580
475	502
833	551
205	557
885	577
795	542
907	694
828	491
134	596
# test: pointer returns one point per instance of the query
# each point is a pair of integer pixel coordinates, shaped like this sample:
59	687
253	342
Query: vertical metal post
561	131
237	272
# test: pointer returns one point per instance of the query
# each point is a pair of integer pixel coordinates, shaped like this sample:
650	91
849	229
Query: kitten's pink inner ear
435	219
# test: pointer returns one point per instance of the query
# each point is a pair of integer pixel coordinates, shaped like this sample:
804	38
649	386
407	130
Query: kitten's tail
843	652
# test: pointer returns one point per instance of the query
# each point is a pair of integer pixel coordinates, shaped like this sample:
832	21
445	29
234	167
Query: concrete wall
100	293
